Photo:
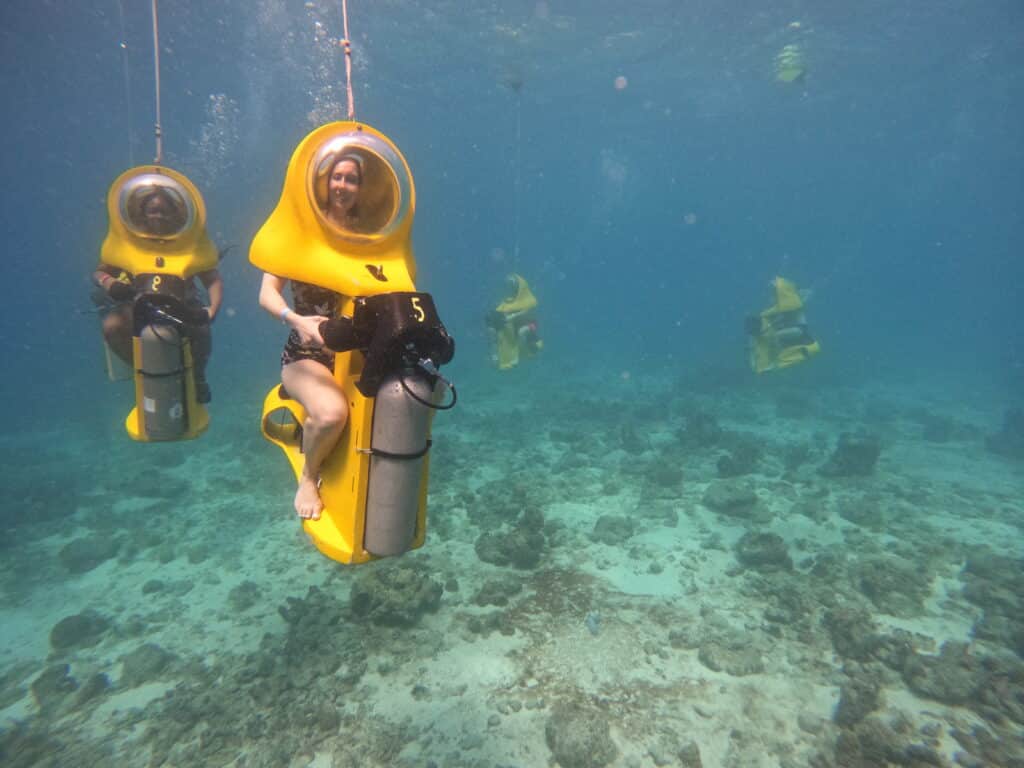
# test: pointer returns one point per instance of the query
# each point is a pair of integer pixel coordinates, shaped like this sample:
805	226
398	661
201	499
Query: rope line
346	44
123	45
519	166
159	159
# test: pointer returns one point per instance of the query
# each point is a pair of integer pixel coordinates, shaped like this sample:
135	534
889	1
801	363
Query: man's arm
103	276
214	285
107	278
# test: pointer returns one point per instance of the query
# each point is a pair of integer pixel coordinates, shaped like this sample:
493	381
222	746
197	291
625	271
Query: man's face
159	215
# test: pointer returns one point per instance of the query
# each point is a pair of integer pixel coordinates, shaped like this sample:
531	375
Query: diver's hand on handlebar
119	291
340	335
308	328
198	316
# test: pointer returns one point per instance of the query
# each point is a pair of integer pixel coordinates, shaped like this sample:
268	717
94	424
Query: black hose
421	401
402	456
165	339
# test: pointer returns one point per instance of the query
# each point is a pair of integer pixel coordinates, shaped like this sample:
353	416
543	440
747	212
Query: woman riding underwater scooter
363	346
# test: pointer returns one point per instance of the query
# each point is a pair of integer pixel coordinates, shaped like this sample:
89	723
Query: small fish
593	622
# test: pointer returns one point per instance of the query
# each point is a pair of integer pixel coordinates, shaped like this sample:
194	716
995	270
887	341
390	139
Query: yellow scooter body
509	347
790	66
298	242
183	254
766	354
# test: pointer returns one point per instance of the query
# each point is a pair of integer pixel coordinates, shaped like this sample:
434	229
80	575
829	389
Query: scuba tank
403	341
398	448
164	387
162	369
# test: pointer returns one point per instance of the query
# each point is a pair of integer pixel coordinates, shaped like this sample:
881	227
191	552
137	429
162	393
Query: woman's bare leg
314	387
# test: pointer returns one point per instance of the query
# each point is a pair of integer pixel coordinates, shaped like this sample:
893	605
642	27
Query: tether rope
519	165
346	43
156	68
123	45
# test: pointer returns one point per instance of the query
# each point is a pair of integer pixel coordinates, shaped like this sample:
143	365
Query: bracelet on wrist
284	315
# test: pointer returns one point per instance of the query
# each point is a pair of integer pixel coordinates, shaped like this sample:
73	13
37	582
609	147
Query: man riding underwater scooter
153	315
158	213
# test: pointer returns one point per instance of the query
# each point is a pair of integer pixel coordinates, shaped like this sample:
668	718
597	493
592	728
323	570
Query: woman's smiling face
343	186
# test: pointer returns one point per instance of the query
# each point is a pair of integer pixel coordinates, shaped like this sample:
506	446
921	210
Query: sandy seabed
641	573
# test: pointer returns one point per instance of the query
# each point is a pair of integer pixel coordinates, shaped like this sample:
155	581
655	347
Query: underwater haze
639	552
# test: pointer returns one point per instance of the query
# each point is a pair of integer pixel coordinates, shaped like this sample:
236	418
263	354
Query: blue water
889	179
651	217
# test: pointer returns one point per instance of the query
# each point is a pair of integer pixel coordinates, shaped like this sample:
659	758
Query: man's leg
202	345
117	331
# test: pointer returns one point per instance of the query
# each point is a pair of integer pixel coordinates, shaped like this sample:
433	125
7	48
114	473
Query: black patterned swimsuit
311	300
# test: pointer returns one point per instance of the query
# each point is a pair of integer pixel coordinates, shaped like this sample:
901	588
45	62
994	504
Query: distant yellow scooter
778	336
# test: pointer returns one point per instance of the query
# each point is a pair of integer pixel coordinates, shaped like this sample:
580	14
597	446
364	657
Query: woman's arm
273	301
272	295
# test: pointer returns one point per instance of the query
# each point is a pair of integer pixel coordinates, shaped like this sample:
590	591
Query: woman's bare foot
307	499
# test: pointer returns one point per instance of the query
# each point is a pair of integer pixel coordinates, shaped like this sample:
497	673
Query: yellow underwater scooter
389	342
513	324
790	64
157	241
160	263
778	336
